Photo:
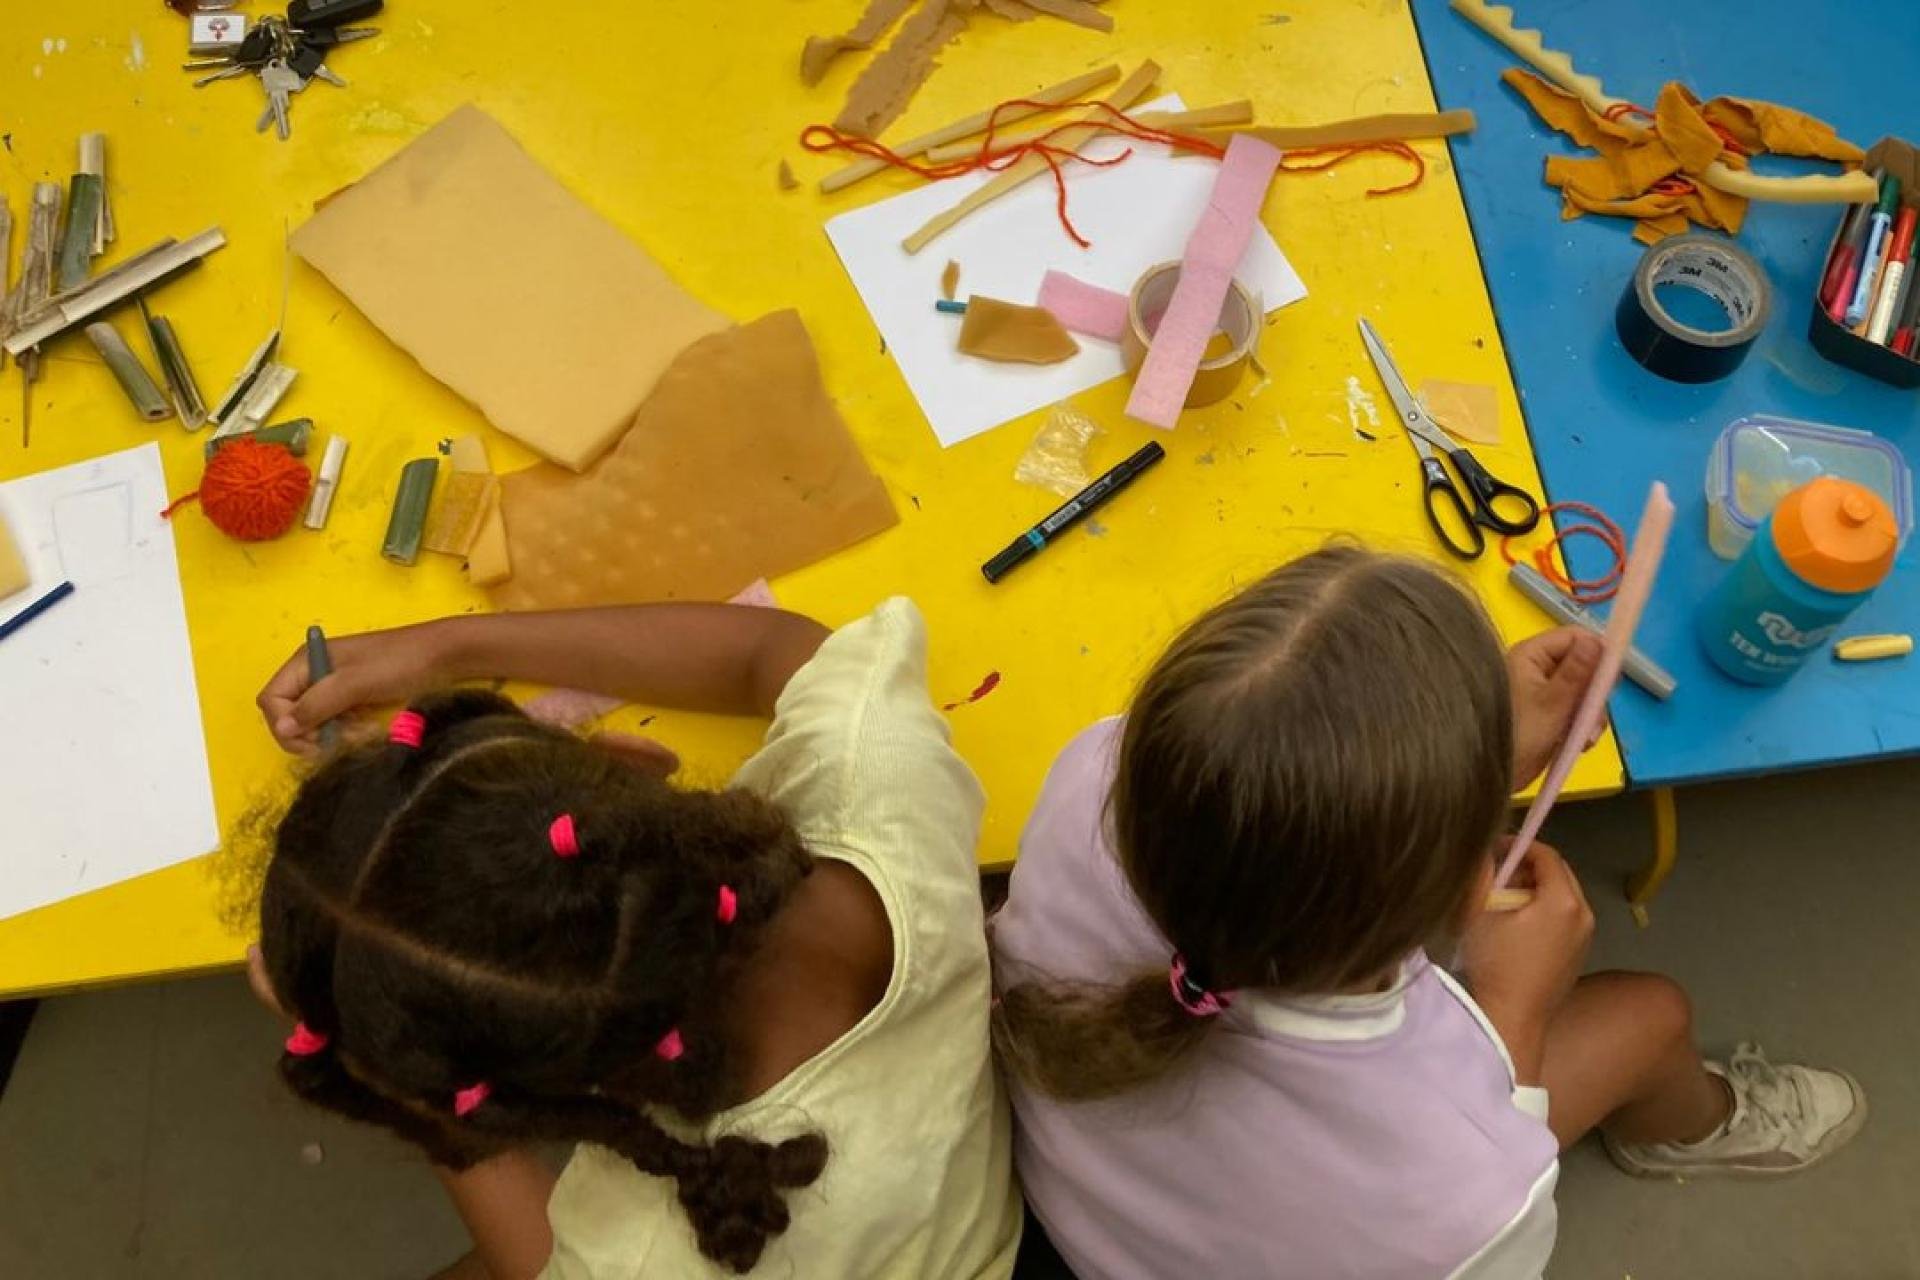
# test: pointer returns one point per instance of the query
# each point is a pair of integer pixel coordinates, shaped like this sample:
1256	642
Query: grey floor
143	1135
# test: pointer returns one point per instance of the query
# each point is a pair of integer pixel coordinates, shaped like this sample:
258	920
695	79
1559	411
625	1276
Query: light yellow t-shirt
918	1182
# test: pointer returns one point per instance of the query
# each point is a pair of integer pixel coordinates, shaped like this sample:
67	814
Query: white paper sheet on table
1136	213
103	762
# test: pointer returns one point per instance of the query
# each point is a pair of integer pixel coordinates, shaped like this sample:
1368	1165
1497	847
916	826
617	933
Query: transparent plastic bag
1057	458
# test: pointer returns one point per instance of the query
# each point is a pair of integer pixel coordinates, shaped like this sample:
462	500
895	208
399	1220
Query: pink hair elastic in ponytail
468	1100
304	1042
671	1046
564	839
407	729
728	906
1193	997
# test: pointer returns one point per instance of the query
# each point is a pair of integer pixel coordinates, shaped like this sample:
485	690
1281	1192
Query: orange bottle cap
1836	535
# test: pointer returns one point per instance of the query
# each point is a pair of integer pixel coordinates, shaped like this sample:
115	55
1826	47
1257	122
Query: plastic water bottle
1813	561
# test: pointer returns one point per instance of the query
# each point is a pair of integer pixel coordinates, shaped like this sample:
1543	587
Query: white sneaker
1785	1119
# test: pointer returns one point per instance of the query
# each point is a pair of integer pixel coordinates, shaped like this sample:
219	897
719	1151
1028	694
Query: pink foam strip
1218	243
1636	585
1082	307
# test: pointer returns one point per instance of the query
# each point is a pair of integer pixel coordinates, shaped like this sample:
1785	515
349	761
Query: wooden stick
1362	129
1065	91
91	302
105	280
1078	12
1030	166
1226	113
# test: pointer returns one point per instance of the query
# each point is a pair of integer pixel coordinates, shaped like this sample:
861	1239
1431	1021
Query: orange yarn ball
254	491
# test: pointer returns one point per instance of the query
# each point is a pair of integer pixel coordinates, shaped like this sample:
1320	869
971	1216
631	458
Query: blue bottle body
1764	621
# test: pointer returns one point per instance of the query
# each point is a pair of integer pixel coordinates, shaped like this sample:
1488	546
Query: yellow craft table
671	118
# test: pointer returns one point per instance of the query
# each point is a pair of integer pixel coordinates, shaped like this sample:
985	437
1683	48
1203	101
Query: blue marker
35	609
1876	249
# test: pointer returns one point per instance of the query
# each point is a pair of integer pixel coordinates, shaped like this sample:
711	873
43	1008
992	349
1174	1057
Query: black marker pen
1077	509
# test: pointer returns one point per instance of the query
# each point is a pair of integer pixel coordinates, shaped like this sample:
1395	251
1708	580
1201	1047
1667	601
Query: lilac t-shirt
1378	1136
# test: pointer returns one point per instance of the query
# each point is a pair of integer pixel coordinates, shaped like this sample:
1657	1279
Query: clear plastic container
1760	459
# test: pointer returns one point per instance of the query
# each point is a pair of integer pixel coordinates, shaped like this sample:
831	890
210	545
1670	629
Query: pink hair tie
408	729
729	905
1193	997
304	1043
469	1099
671	1046
563	838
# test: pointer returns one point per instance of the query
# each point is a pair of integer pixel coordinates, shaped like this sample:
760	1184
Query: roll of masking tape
1221	370
1682	352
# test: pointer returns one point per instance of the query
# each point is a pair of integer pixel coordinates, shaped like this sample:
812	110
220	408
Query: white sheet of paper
103	762
1136	213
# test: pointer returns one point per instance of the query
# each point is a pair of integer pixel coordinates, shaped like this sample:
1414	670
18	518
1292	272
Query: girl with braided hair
760	1013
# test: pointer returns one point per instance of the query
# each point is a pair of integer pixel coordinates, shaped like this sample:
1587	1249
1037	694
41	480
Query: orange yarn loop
251	491
1583	590
1341	154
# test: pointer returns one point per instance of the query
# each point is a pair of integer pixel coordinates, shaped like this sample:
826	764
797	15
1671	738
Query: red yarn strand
1674	184
166	513
821	138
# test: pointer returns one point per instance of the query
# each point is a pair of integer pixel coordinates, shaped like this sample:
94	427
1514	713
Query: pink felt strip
1214	250
1082	307
1636	585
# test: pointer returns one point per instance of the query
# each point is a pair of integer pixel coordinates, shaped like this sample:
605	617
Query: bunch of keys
290	53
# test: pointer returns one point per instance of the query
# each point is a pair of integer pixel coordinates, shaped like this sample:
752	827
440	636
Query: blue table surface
1604	428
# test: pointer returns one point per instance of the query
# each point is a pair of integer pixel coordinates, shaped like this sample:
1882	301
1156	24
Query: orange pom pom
254	491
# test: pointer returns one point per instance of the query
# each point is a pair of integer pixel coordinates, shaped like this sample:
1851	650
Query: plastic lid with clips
1760	459
1836	535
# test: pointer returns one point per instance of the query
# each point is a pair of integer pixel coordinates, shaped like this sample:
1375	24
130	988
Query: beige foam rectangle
13	566
503	285
737	467
489	563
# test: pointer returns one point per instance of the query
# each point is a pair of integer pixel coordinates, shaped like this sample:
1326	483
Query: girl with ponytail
758	1013
1230	1052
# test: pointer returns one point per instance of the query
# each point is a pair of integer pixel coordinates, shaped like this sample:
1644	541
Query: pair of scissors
1457	522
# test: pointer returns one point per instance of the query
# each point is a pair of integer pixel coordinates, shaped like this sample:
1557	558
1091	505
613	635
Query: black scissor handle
1455	509
1488	489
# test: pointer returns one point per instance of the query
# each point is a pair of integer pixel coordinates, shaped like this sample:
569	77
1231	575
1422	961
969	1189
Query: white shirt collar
1343	1018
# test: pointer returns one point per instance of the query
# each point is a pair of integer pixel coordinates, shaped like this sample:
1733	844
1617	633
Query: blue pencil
35	609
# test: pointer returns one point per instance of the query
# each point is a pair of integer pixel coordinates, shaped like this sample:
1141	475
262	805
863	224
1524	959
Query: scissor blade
1397	389
1405	406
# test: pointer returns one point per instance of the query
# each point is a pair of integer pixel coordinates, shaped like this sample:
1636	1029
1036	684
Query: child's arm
503	1201
1519	965
699	657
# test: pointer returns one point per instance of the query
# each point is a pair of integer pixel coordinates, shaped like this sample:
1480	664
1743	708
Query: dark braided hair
417	920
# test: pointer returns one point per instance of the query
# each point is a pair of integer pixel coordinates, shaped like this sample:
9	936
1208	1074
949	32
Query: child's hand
377	668
1548	675
1520	964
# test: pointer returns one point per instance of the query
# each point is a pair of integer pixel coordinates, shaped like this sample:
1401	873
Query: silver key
321	73
237	69
281	82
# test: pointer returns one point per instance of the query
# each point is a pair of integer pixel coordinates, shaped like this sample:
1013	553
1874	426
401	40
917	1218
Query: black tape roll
1718	268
